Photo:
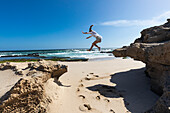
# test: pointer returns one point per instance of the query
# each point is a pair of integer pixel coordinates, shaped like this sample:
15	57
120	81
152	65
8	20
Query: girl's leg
97	47
91	47
94	44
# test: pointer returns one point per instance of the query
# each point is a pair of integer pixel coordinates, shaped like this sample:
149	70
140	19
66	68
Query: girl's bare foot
99	48
88	50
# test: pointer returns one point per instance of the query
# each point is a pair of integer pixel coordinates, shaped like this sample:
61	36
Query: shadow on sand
133	86
60	83
105	90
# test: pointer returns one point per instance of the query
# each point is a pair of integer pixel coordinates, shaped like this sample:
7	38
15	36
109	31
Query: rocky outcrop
153	48
28	94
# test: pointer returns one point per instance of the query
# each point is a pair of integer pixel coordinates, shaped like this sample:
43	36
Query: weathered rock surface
28	94
153	48
6	65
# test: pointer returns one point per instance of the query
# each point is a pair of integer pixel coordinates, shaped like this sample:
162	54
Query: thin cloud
152	22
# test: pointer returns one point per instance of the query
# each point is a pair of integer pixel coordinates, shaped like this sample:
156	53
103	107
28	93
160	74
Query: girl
94	34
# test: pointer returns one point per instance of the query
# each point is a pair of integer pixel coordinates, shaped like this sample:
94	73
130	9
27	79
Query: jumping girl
94	34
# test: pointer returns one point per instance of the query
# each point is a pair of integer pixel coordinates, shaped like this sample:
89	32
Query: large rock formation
28	94
153	48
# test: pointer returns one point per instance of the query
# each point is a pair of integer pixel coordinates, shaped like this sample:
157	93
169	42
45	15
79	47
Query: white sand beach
109	86
118	85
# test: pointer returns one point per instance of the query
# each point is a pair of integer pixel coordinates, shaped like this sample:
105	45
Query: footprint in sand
98	97
107	100
111	110
93	78
78	89
81	85
96	75
85	107
87	78
82	96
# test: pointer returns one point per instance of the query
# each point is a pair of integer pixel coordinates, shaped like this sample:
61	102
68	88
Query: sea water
71	53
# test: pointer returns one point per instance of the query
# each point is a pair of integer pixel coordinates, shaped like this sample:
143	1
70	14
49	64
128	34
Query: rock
2	64
19	72
14	68
28	94
1	67
168	20
7	63
30	73
153	48
56	70
45	66
155	34
59	71
33	55
5	66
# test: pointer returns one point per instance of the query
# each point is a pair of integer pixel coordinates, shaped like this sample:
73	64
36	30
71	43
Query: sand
7	80
110	86
118	85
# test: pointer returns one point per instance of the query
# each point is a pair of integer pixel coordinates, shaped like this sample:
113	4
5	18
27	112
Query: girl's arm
88	37
86	32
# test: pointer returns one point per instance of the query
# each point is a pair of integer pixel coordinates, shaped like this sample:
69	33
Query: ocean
105	53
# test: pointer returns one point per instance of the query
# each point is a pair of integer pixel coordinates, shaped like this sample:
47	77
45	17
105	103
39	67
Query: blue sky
54	24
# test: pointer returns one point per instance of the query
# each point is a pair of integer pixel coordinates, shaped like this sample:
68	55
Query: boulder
19	72
153	48
28	94
7	65
59	71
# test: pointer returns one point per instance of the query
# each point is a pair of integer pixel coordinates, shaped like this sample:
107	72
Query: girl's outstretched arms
88	37
86	32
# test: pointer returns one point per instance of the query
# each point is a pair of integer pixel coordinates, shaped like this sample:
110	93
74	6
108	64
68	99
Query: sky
57	24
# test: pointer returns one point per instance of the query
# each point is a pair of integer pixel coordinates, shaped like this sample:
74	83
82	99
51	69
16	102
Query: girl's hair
90	29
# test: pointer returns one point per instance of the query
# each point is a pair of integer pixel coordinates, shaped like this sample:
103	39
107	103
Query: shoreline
25	59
